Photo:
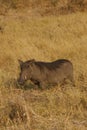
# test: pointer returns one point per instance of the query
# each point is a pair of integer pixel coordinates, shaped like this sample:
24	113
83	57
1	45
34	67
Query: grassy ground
46	39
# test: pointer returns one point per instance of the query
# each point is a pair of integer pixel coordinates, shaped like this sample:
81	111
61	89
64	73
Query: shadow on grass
26	86
31	86
12	83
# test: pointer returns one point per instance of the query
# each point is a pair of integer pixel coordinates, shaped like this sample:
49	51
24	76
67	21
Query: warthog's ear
20	62
32	60
31	63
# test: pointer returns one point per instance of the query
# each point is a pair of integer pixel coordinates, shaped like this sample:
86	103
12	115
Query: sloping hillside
46	39
43	7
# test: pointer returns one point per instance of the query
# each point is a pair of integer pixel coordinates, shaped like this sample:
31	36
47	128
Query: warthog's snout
20	82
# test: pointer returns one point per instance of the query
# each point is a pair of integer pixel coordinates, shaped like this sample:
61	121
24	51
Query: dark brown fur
44	73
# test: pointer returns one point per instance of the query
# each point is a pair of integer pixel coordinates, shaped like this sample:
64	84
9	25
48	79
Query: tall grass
46	39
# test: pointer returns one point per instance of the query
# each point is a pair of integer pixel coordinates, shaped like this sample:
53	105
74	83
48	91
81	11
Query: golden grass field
43	38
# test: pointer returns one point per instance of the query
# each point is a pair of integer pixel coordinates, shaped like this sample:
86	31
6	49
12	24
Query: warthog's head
26	70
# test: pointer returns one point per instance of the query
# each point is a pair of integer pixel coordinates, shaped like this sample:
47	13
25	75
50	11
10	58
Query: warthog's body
44	73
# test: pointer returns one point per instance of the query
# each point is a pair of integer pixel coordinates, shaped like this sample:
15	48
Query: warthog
45	73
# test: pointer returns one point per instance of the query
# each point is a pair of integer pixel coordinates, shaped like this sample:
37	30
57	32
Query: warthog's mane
49	65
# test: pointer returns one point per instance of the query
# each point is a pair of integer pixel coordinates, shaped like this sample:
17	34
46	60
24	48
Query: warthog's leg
68	79
42	85
71	78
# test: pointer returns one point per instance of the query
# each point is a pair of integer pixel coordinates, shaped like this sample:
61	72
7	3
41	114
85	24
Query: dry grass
47	39
43	7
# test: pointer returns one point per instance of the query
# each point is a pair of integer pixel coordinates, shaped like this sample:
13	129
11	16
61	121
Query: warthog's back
62	63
